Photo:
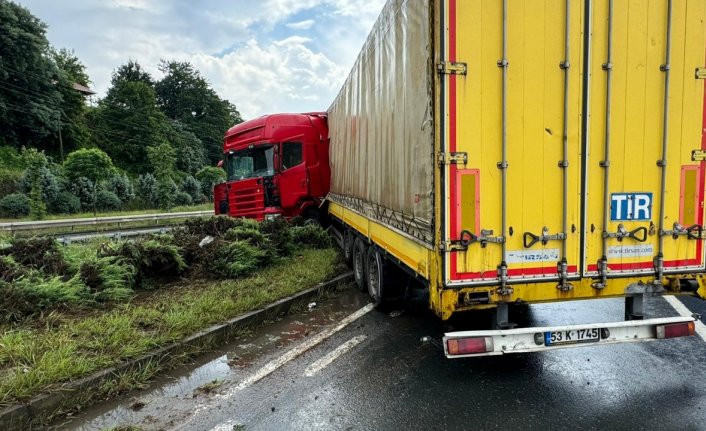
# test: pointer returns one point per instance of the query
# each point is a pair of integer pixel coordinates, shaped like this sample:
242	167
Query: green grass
201	207
43	353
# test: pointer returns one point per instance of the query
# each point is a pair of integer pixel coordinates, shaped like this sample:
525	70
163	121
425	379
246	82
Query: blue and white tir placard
630	206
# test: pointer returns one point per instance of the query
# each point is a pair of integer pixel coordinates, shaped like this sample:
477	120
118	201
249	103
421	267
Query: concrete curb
80	392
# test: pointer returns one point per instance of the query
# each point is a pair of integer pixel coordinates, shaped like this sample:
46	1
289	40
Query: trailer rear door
533	116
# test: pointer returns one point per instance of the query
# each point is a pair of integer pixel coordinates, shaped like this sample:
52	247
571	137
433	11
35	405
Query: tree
184	95
147	190
162	157
128	121
74	129
209	177
190	152
90	163
30	96
36	162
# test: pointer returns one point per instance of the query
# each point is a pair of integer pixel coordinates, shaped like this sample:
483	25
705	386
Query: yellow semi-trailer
526	151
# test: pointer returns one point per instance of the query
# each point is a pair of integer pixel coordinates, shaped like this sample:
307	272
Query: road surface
342	366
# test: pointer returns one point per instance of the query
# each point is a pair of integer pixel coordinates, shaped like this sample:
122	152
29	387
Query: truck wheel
376	276
359	261
348	241
312	217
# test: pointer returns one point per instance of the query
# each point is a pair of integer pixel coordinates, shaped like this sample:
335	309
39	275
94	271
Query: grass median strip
60	347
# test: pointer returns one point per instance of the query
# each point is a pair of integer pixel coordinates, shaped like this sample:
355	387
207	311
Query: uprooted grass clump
38	274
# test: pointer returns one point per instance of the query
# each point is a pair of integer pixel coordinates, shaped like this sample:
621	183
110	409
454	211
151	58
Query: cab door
293	180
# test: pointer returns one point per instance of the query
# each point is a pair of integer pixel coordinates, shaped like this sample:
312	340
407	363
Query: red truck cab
276	165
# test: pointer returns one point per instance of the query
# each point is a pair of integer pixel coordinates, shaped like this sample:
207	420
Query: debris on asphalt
396	313
312	305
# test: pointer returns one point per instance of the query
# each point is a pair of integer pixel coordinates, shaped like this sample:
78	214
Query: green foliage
190	150
53	292
192	187
185	95
311	235
9	182
147	189
109	278
48	183
236	259
127	121
162	158
14	206
83	188
166	194
279	232
43	254
74	129
10	158
25	68
182	198
209	177
90	163
37	207
66	203
107	201
122	187
151	259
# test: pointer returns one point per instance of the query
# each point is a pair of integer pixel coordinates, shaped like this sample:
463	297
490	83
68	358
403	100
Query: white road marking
333	355
277	363
682	310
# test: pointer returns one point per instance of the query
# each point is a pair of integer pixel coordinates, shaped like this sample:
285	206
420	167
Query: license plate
574	336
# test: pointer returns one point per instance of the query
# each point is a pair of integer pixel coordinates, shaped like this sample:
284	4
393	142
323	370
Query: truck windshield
253	162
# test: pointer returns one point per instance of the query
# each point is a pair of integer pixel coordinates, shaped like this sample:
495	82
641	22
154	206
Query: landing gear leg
501	317
634	307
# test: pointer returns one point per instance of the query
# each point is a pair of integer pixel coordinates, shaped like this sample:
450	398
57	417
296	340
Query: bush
192	187
166	194
147	190
48	183
10	182
122	187
66	203
53	292
14	205
209	177
109	278
311	235
37	253
237	259
149	258
182	198
107	201
83	189
280	235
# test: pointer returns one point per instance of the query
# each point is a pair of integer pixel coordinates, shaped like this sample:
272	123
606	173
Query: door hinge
698	155
701	73
453	158
449	246
451	68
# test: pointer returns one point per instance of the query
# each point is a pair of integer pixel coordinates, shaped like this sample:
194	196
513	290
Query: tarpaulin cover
381	124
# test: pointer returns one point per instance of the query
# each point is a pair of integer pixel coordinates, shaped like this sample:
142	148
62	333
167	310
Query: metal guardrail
52	224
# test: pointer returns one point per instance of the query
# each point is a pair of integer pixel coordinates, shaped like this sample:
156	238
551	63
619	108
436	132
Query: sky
264	56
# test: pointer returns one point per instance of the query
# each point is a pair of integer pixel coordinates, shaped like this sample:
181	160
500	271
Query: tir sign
630	206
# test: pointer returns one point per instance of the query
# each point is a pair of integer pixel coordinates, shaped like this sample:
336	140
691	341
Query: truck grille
247	200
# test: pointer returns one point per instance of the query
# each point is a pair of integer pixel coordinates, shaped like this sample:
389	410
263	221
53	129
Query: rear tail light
469	346
675	330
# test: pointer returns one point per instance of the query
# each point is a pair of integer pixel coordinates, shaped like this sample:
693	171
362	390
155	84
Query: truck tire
360	250
376	276
348	241
312	216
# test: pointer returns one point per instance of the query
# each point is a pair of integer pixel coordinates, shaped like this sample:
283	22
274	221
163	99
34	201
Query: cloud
301	25
264	56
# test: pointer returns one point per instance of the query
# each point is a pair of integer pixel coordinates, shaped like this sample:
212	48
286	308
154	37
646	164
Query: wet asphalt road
385	378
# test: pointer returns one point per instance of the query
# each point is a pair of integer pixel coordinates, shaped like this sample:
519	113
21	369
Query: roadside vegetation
69	311
150	142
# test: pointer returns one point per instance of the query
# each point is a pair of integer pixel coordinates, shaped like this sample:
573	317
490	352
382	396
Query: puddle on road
174	392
